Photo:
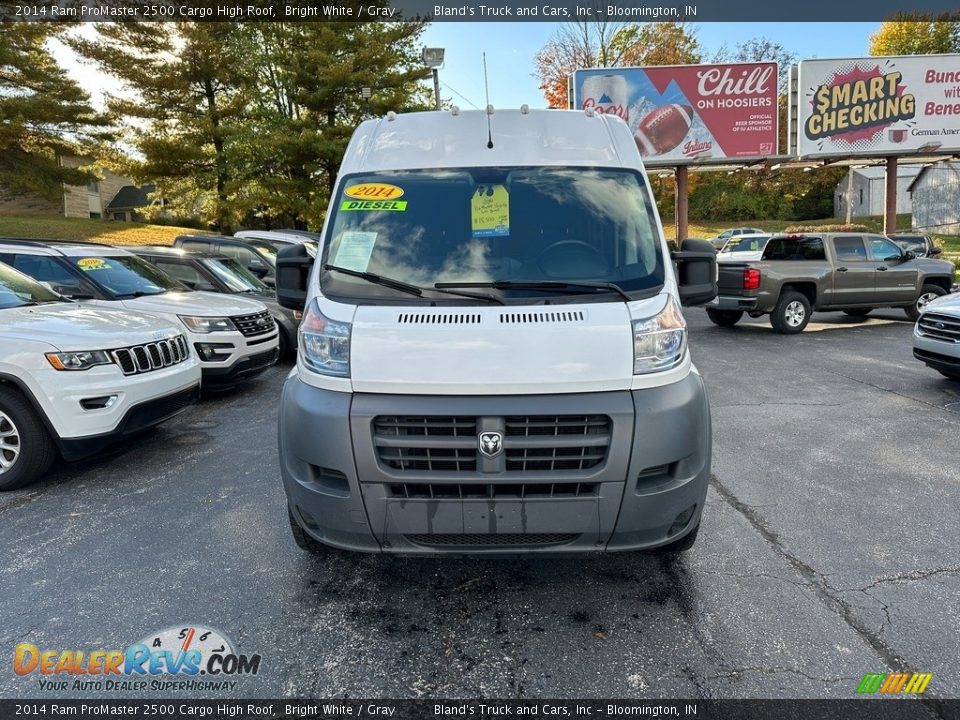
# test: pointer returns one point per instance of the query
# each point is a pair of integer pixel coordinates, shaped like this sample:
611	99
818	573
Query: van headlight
325	343
659	342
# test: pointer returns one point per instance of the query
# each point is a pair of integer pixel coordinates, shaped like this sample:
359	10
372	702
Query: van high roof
447	139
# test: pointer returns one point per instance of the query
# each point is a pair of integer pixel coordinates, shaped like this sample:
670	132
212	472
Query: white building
935	193
868	193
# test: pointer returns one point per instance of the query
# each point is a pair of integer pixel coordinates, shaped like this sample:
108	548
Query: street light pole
433	59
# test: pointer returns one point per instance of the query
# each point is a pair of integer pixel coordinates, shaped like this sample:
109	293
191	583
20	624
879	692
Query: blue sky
510	48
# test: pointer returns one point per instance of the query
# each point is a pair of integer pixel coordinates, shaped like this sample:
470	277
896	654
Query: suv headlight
83	360
325	343
659	342
208	324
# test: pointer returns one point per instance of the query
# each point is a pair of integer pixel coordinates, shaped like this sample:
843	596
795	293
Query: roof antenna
486	88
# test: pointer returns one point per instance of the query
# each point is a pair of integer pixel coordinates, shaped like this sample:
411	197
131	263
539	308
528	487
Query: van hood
204	304
492	350
76	327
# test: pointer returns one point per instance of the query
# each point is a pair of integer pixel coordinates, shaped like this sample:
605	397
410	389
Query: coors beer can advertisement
682	114
878	106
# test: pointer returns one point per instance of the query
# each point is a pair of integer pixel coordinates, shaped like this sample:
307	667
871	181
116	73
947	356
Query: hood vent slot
542	317
439	319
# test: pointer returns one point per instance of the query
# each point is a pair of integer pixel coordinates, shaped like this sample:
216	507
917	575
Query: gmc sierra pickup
852	272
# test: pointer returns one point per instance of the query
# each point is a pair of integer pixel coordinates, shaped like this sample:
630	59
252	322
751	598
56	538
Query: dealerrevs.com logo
190	657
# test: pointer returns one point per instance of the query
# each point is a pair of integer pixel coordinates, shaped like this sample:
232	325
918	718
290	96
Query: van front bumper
346	488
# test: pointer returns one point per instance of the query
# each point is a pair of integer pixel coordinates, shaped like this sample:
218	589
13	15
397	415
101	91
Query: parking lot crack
949	407
816	581
913	576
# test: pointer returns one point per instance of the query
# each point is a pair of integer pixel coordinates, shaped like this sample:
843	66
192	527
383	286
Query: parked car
919	245
235	338
496	363
255	255
853	272
76	378
279	238
218	273
741	248
936	336
720	240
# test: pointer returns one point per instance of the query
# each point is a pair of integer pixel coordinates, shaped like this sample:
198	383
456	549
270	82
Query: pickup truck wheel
858	312
724	318
791	314
681	545
927	293
303	540
26	450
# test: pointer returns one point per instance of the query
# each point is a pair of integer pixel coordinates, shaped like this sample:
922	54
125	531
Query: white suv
234	338
75	378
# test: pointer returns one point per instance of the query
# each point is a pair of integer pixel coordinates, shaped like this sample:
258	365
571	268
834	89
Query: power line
463	97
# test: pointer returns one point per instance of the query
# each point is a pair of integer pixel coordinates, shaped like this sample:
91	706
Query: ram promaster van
493	358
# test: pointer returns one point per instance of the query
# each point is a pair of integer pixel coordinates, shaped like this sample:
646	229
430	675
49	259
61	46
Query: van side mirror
293	275
696	265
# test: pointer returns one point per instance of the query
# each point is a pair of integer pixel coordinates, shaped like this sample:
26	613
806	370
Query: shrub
852	227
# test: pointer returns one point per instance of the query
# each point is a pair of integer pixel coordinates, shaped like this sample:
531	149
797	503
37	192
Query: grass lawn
101	231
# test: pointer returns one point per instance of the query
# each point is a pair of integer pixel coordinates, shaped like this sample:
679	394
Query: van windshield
483	225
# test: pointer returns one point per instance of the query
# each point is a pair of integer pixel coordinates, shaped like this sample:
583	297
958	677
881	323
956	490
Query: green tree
186	94
658	43
309	78
43	115
917	34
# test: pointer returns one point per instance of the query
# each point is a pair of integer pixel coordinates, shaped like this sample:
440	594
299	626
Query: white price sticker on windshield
356	247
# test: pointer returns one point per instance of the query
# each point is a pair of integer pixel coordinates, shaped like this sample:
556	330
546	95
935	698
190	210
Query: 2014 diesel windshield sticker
374	196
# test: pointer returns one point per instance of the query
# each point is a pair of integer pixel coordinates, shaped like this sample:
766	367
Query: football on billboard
663	129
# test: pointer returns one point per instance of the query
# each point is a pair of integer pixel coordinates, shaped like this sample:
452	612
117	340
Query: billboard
681	114
878	106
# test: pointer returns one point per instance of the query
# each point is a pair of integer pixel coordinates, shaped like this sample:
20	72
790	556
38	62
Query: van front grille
498	539
531	443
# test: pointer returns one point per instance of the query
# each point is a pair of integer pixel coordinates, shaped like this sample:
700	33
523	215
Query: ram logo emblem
491	443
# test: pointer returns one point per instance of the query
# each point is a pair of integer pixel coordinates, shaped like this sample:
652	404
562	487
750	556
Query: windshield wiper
407	287
139	294
540	285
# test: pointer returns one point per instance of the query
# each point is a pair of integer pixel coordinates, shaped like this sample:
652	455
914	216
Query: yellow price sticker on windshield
92	264
490	211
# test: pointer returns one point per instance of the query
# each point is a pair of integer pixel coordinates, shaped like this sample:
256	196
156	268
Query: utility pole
433	59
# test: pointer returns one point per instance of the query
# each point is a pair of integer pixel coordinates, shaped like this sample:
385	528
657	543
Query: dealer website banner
683	114
879	105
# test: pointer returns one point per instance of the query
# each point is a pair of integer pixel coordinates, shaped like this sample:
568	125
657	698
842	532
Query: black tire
724	318
25	444
858	312
303	540
679	546
913	311
791	313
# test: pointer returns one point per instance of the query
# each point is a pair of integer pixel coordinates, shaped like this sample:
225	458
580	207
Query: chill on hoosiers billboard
878	105
681	114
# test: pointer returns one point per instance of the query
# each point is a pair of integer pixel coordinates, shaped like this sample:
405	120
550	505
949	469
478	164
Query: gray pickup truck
852	272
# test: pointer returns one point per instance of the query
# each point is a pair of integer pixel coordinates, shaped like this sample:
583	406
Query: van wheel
927	293
791	314
681	545
858	312
724	318
303	540
26	450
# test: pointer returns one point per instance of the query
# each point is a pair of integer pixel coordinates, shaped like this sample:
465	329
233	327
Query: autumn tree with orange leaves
578	45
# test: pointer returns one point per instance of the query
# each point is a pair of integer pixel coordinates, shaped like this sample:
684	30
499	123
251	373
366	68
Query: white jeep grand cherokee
75	378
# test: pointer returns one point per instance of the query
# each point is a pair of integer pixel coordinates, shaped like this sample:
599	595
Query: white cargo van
76	378
493	358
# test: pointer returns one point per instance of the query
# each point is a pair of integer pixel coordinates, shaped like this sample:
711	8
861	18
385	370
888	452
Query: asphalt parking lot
829	549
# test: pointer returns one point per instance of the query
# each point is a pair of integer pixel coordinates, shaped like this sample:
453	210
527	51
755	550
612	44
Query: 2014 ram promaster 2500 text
852	272
492	358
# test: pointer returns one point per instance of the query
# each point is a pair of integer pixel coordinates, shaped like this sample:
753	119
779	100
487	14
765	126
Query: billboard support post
890	204
681	204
